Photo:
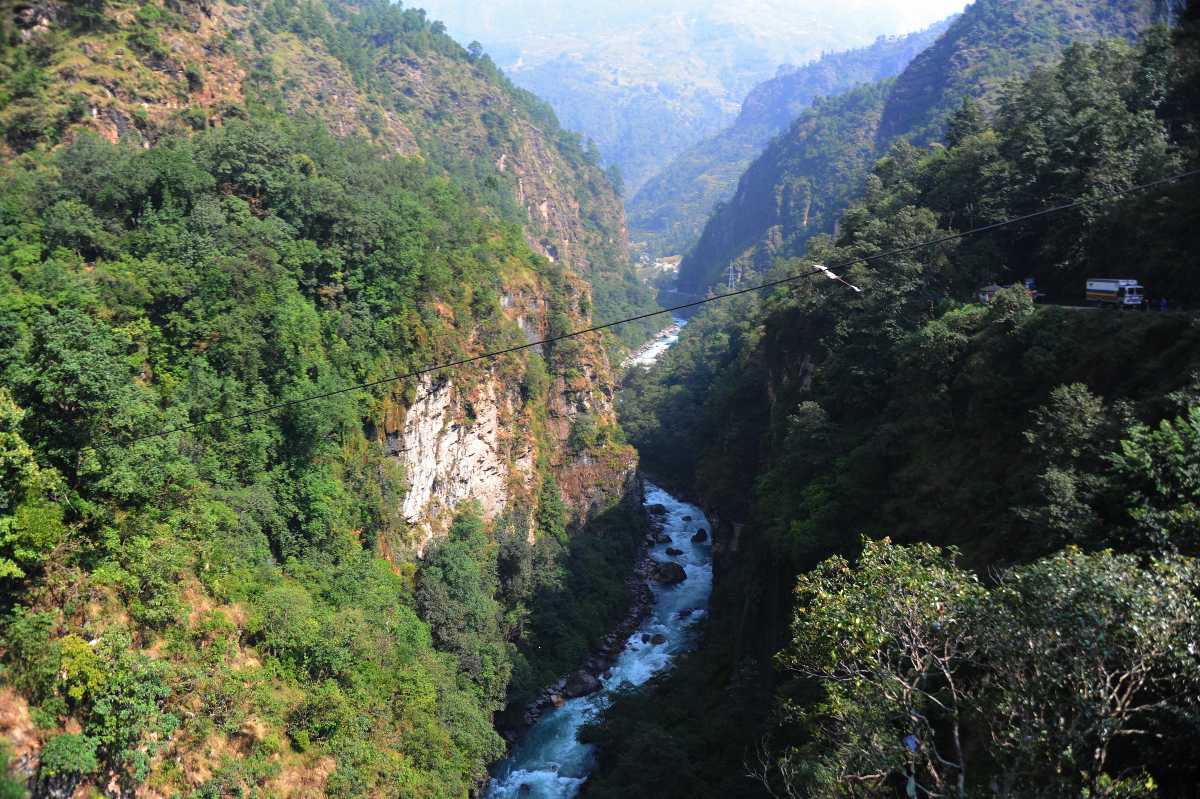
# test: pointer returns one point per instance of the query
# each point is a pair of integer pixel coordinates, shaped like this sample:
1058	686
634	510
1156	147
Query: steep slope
140	73
1002	41
208	209
1031	439
796	188
390	77
668	212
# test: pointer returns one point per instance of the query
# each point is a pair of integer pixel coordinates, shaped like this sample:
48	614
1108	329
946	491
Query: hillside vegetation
191	607
137	72
800	185
667	214
947	530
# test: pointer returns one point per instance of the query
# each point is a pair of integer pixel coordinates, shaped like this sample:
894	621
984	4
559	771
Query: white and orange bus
1119	291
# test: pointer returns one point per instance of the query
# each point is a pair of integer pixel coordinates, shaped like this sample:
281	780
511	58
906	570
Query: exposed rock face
448	459
473	435
700	536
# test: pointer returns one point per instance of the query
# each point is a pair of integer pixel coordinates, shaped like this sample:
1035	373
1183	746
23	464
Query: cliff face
475	437
447	460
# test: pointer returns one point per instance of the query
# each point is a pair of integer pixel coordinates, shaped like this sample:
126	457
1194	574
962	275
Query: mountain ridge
941	77
663	222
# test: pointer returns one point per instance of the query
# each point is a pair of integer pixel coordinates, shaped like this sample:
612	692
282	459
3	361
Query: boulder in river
669	573
645	638
581	683
701	535
662	538
658	509
673	552
687	518
658	638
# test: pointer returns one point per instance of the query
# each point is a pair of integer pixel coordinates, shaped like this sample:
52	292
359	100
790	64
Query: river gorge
549	762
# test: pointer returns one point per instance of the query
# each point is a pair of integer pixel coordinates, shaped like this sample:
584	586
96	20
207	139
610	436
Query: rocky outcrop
474	435
580	683
451	455
669	573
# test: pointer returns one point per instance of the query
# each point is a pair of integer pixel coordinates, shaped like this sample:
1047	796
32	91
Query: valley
328	466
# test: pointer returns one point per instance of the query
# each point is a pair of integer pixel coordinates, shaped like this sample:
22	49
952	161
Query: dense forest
141	71
205	608
804	180
956	540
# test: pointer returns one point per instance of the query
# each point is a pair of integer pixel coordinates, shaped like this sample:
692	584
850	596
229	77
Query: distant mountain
668	212
804	179
644	81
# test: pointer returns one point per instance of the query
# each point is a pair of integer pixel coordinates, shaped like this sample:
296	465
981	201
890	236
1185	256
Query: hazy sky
501	22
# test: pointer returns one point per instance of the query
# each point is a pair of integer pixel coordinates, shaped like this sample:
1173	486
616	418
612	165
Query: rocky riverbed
671	590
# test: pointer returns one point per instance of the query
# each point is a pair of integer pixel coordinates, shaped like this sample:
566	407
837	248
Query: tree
967	121
456	594
79	382
1070	434
31	523
888	639
552	511
1158	469
1082	651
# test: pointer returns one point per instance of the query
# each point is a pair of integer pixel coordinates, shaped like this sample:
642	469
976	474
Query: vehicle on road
1121	292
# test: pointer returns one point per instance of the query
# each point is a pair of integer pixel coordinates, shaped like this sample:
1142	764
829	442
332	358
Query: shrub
67	754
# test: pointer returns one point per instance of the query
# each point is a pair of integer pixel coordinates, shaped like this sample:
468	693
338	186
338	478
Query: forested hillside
209	209
138	72
955	542
667	214
803	181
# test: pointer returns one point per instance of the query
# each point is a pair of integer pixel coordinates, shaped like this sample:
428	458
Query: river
549	762
647	355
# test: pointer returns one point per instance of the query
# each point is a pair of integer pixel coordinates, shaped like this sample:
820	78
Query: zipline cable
684	306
